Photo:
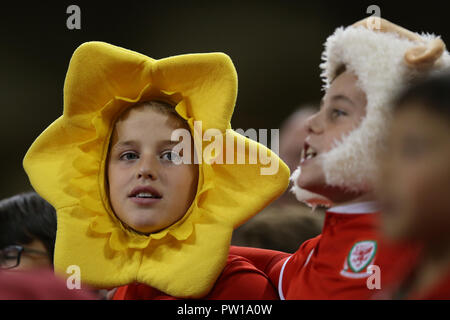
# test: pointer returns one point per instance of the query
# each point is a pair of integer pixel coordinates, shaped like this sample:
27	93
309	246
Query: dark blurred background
275	45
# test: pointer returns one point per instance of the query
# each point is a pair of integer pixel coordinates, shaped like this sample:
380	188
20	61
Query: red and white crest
361	254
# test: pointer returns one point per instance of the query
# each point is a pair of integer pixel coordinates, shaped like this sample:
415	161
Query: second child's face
147	190
414	187
341	111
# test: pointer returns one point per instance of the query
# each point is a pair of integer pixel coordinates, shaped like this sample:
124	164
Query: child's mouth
308	153
145	195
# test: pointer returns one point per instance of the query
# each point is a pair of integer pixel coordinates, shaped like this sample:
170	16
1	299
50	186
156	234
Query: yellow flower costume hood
66	165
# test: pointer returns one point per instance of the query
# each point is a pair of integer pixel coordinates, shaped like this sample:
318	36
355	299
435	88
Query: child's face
342	109
147	190
414	187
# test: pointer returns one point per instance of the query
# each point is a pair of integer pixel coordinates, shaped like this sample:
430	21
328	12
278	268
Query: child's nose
313	124
147	170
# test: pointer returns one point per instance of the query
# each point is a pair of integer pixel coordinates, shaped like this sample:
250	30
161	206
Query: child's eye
337	113
171	156
129	156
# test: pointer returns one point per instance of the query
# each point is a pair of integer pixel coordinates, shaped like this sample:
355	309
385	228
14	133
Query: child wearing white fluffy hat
363	70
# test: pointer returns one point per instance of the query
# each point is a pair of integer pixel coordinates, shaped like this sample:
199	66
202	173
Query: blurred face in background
292	137
414	186
25	257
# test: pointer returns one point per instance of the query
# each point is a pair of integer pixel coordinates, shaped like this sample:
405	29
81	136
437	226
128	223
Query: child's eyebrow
132	143
169	142
343	98
121	144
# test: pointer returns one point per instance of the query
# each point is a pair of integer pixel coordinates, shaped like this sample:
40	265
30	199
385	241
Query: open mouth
308	153
145	193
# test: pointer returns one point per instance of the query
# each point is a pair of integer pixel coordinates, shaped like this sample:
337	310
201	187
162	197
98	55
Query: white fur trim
360	207
377	60
303	195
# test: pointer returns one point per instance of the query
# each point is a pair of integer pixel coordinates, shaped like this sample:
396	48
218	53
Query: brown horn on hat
425	55
422	56
387	26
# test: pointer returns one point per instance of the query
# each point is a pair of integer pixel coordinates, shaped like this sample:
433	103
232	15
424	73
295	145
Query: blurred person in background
38	284
414	189
27	232
293	132
285	213
27	241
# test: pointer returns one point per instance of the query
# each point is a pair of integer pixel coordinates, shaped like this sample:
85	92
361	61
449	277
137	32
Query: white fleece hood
385	61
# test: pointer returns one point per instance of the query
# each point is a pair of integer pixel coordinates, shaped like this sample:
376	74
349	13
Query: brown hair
161	107
340	70
433	92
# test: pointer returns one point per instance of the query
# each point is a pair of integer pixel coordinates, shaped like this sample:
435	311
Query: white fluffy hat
385	60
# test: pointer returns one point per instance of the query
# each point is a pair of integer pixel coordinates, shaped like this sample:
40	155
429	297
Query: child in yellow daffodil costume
127	215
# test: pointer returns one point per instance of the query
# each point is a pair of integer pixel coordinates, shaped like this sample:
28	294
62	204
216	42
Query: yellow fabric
66	165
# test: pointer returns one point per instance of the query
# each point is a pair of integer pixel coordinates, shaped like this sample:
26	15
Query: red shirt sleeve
265	260
241	280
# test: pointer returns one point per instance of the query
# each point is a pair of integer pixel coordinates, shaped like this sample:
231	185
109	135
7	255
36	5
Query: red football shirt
239	280
333	265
